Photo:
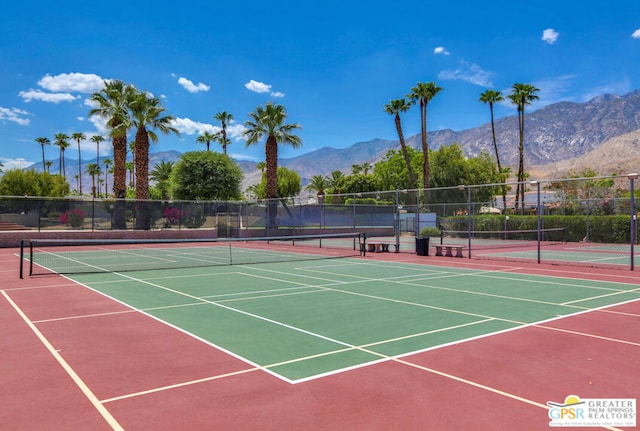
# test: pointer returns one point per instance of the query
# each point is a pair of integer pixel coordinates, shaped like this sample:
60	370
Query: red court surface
120	369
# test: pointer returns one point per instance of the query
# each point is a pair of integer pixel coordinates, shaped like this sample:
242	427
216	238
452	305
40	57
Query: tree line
126	108
521	96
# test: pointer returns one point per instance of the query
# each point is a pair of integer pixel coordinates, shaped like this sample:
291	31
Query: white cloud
14	163
440	50
189	127
277	94
89	147
636	34
550	36
257	87
30	95
14	114
235	130
191	87
100	124
91	104
72	82
468	72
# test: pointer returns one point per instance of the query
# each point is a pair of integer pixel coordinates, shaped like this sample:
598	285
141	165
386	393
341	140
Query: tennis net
505	238
73	256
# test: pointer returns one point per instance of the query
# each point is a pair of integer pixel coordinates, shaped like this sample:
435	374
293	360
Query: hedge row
605	229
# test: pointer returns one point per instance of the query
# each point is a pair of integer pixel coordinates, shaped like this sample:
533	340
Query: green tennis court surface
299	320
605	254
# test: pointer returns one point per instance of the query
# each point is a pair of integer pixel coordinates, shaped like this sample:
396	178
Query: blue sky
333	64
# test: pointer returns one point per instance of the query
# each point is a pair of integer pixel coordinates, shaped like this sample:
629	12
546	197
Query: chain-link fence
590	209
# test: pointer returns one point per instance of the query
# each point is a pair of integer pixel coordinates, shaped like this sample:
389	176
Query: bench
377	247
449	249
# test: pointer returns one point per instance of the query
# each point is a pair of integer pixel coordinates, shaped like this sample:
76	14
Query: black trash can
422	246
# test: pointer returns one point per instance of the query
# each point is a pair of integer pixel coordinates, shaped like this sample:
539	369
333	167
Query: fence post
632	233
21	257
469	219
537	184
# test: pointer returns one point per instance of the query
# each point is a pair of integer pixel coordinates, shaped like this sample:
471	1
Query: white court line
74	376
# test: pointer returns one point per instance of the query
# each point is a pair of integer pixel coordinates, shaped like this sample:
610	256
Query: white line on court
74	376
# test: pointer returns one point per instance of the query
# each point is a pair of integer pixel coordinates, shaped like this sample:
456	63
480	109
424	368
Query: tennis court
523	246
386	341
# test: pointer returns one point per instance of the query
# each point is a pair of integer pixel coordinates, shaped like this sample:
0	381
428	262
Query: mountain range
602	134
558	132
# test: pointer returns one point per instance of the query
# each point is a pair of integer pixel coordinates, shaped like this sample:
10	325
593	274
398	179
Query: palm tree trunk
98	157
142	179
119	181
495	147
425	152
425	145
271	156
521	186
224	140
403	146
80	169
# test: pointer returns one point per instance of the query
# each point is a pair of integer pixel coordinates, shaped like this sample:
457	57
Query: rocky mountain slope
561	131
619	155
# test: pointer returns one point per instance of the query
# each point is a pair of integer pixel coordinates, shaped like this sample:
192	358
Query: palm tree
225	118
147	115
366	166
395	107
522	95
335	181
130	169
160	174
206	138
423	93
262	166
78	136
356	169
48	164
113	105
93	169
269	121
62	143
43	141
491	97
132	148
224	142
97	139
318	183
107	164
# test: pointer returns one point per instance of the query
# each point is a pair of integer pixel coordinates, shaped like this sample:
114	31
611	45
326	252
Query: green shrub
428	231
602	229
193	217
